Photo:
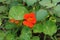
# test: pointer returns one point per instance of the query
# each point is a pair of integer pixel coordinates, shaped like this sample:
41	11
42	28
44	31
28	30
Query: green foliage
38	28
55	1
10	25
57	10
35	38
17	12
46	13
2	35
9	36
41	14
3	9
49	28
30	2
25	34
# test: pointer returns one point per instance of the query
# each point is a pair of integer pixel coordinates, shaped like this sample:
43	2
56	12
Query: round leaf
38	28
49	28
17	12
41	15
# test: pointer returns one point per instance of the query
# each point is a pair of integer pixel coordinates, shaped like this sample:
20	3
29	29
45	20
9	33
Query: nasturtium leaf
49	28
10	37
35	38
25	34
2	0
17	12
30	2
41	14
38	28
46	3
14	4
2	35
55	1
57	19
3	9
9	25
57	10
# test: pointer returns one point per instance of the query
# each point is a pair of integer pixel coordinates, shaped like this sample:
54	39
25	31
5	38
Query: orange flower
14	21
17	21
30	19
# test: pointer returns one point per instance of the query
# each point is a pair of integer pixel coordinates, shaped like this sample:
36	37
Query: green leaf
55	1
57	19
35	38
41	15
17	12
49	28
2	35
38	28
30	2
2	0
25	34
10	37
46	3
57	10
9	25
3	9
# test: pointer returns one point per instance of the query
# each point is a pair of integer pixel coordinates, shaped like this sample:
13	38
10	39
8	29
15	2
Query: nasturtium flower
29	19
14	21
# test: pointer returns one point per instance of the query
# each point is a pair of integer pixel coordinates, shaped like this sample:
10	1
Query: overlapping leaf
35	38
41	14
17	12
2	35
30	2
57	10
38	28
49	28
3	9
25	34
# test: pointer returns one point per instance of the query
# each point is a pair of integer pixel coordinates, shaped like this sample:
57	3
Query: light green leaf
2	0
30	2
55	1
3	9
41	14
2	35
49	28
25	34
46	3
17	12
57	10
35	38
38	28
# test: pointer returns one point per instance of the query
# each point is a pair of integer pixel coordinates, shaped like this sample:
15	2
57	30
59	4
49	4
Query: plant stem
52	38
45	37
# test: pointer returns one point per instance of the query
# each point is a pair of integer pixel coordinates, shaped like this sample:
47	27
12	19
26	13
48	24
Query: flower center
29	19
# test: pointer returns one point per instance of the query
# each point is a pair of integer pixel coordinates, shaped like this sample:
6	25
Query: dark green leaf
9	25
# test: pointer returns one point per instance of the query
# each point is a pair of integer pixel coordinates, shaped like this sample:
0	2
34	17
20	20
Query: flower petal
26	16
32	14
30	25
